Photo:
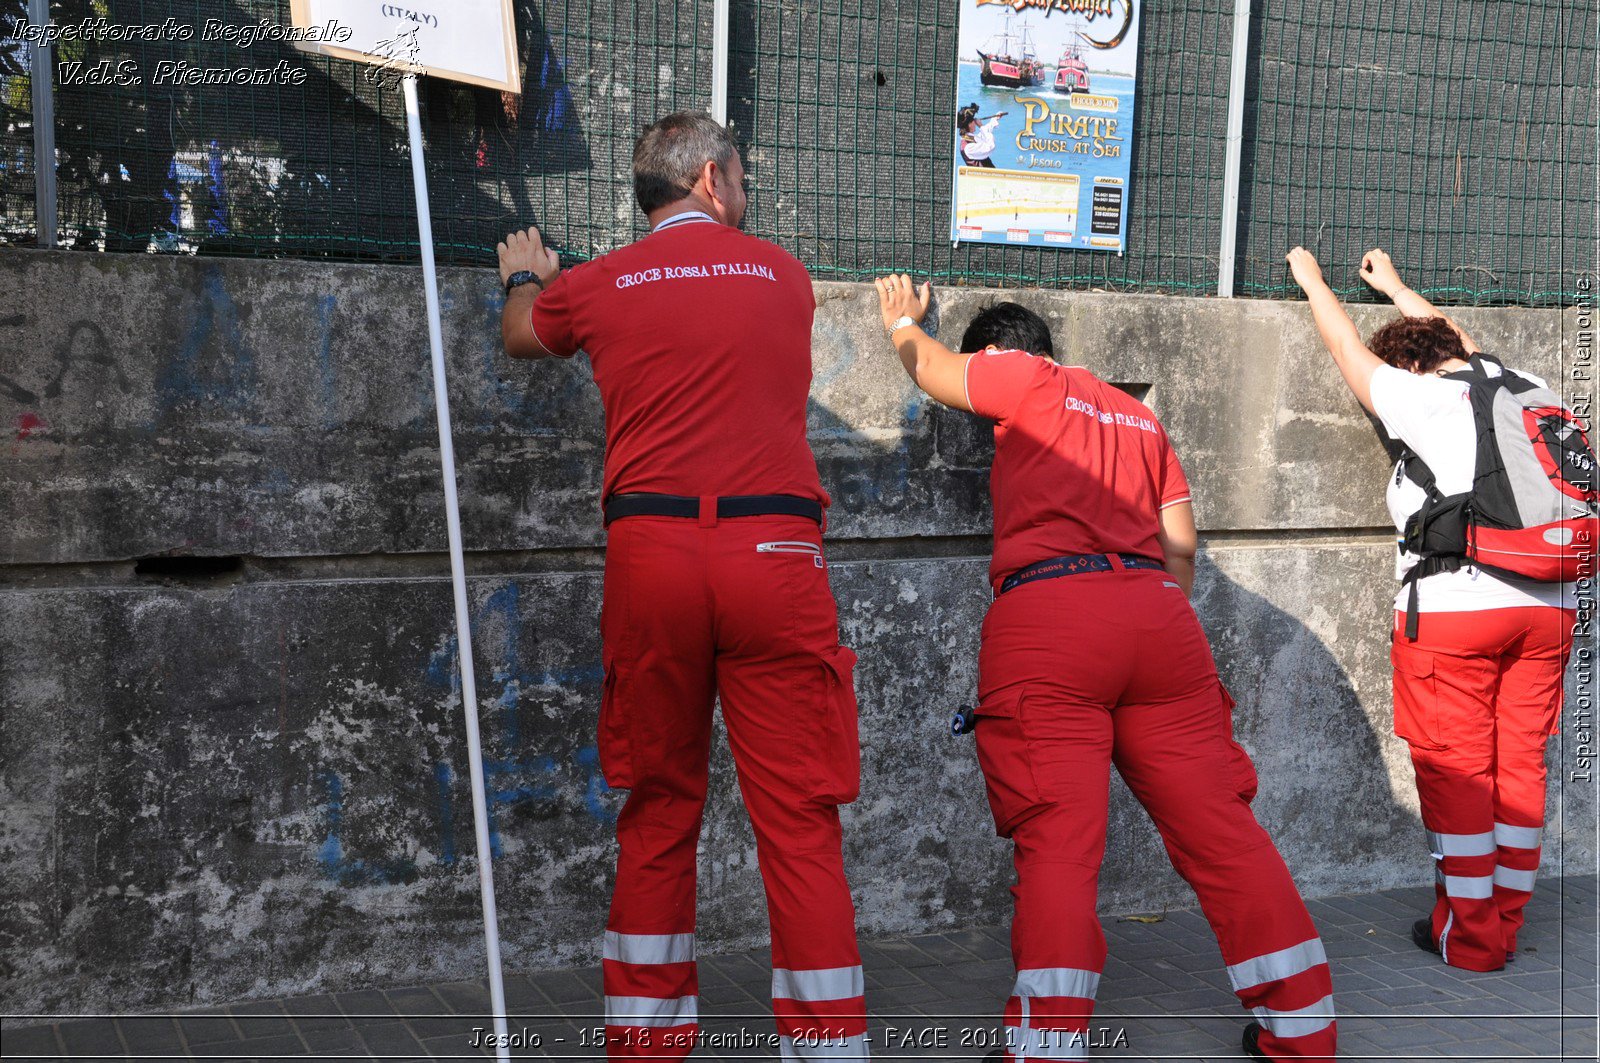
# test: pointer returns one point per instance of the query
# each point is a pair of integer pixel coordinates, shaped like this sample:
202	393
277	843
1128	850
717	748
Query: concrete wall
251	781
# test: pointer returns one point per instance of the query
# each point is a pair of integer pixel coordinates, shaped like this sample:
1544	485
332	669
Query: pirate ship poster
1043	129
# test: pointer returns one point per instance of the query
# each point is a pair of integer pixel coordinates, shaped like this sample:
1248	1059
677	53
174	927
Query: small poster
1043	129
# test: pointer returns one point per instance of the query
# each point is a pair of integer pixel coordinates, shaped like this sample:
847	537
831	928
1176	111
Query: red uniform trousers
1476	696
739	607
1085	671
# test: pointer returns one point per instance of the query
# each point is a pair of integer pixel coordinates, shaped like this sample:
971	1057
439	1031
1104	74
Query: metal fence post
719	61
1230	180
41	75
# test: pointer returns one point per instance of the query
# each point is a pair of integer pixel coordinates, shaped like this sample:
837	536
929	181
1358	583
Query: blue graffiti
520	777
230	381
443	777
330	397
346	870
511	781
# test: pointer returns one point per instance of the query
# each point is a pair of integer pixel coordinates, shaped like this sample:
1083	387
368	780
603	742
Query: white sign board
463	40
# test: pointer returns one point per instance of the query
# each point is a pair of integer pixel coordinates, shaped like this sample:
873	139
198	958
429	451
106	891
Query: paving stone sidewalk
1164	997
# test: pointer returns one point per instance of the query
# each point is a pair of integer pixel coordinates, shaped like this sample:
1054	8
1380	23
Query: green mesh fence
850	117
1459	136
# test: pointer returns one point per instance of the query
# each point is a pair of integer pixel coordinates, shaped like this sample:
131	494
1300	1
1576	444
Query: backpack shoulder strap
1413	468
1477	371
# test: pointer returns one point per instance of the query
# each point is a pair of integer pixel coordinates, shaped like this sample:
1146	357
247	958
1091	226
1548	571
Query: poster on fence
1043	131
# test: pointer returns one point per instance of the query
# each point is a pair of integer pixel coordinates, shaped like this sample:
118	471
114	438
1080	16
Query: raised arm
937	369
1356	363
1377	269
524	251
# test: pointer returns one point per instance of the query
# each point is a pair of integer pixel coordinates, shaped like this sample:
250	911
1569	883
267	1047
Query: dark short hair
1417	344
1010	327
670	153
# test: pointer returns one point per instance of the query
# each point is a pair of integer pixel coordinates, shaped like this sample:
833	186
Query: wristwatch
901	322
521	277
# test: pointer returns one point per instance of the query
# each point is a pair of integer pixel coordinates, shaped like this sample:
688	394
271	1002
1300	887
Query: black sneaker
1252	1037
1422	936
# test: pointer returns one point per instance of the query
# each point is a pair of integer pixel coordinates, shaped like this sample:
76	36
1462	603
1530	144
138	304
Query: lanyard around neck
683	219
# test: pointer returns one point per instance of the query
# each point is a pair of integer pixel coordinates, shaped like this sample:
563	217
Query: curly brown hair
1417	344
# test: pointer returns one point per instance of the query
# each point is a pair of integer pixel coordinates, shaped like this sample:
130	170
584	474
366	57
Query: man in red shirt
1092	655
715	583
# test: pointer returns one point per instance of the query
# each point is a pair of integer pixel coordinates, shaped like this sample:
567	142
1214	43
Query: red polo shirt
1080	467
700	341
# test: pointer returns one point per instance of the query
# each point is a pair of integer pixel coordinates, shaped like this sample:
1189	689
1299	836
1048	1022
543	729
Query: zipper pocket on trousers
789	547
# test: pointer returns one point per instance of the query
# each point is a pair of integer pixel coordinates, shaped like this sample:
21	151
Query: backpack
1531	513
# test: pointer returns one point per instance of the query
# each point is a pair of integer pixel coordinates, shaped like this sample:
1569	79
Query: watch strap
521	277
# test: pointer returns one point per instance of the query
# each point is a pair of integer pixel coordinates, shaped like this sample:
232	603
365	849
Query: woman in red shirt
1091	656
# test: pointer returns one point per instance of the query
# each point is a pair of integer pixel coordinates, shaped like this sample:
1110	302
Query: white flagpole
1235	150
719	61
458	577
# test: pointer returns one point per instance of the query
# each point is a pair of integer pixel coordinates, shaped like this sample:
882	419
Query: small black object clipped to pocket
963	722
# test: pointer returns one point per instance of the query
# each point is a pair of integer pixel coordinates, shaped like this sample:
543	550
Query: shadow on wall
1336	791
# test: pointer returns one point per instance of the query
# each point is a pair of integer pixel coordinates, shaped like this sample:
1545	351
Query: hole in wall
1138	391
191	568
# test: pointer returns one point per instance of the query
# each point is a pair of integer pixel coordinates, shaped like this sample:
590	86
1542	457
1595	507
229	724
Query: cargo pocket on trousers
1416	696
616	746
1241	769
836	778
1003	756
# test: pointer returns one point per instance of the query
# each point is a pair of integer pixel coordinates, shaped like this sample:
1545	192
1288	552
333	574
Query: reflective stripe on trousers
1300	1022
836	983
1442	845
651	1011
1057	982
813	1032
1467	887
1518	837
1276	966
648	948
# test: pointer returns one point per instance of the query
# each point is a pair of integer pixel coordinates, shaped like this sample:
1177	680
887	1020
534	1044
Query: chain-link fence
1459	135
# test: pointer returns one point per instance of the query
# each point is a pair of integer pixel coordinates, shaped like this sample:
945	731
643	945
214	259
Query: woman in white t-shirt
1478	692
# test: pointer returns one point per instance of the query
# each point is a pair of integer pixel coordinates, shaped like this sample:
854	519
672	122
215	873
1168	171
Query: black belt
649	505
1074	565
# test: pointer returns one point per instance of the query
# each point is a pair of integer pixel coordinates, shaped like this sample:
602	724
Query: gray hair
669	155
